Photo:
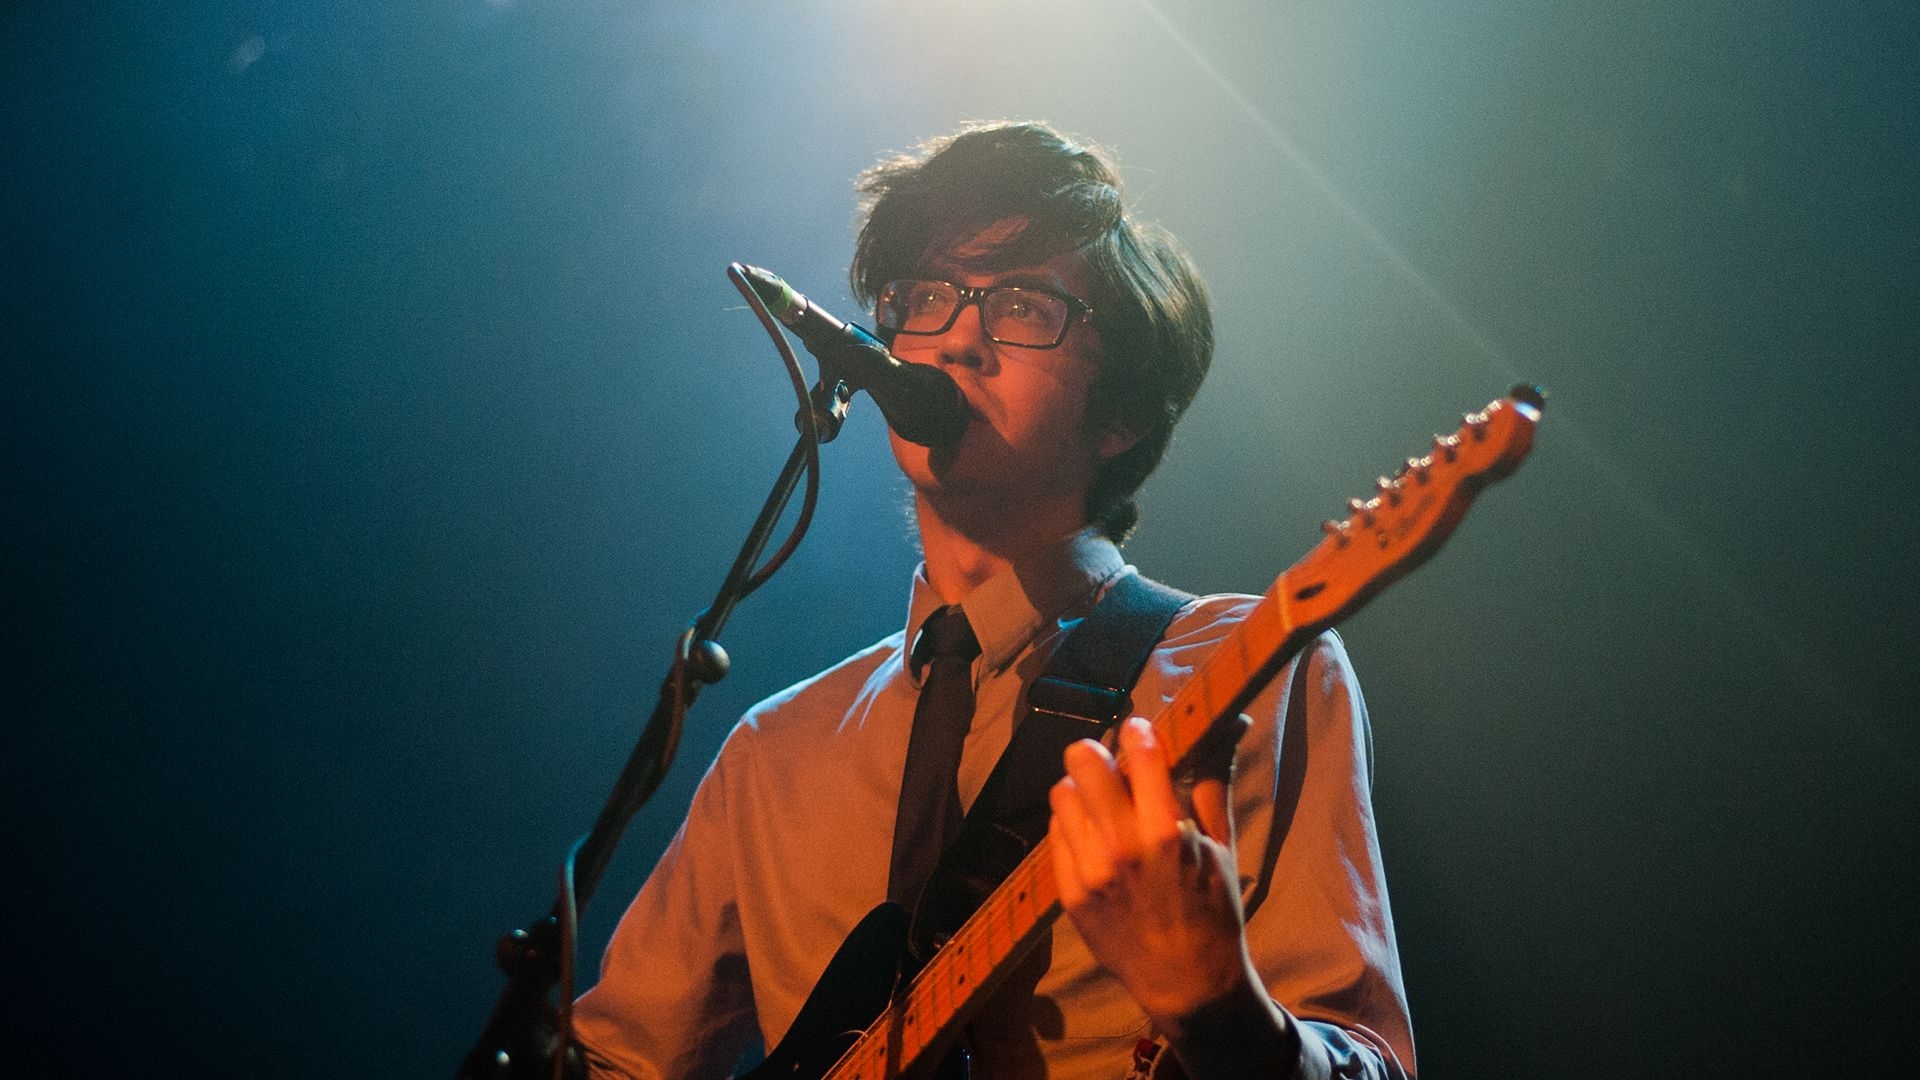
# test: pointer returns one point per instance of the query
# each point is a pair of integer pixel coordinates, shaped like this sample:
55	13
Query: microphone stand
527	1037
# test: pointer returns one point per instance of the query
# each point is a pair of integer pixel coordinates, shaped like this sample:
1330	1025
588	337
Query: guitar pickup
1086	702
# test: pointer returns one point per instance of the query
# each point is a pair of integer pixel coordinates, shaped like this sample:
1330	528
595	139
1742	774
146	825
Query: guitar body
856	987
851	992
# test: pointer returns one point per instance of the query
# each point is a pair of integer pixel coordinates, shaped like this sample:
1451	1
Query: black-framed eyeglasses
1010	314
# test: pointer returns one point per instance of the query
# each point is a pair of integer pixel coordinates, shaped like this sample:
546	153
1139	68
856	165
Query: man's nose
965	343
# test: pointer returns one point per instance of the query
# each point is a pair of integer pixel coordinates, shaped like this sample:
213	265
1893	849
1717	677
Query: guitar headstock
1409	514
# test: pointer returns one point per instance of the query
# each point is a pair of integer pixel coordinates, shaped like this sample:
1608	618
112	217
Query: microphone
921	403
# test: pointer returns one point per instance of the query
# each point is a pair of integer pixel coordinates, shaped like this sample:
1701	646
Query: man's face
1026	437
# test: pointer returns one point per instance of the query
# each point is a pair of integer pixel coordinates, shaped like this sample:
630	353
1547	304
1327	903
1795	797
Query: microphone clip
828	401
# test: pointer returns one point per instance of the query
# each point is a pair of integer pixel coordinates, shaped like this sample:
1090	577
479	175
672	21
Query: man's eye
927	300
1021	308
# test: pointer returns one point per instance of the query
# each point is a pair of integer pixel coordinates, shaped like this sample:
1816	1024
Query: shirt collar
1008	609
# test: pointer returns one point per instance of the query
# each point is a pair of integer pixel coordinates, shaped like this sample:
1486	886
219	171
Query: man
1258	943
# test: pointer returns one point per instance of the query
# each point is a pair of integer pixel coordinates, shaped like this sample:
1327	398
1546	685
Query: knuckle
1100	881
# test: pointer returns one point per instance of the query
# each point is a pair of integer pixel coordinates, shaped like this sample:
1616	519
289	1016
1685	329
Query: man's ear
1118	440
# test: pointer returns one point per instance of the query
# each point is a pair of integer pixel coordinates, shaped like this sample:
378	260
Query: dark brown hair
1150	307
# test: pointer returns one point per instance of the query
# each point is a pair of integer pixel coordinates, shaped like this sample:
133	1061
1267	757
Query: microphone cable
566	907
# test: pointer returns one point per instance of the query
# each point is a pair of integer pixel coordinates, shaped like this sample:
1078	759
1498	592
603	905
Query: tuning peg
1417	468
1389	490
1337	530
1448	446
1476	422
1363	511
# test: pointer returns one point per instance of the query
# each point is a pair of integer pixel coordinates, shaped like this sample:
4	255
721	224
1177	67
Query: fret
998	926
1186	722
982	957
1256	642
1222	680
960	974
1023	910
952	974
926	1007
1046	887
1233	659
1225	667
1202	687
1276	598
1274	624
939	1005
911	1042
1248	638
1221	684
979	951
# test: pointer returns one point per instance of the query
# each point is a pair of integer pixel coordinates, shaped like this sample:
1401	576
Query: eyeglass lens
1013	316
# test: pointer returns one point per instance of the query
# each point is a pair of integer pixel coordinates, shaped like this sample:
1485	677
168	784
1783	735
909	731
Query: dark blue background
376	411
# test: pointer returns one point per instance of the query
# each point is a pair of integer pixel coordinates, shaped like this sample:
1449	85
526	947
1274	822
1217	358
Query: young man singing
1255	943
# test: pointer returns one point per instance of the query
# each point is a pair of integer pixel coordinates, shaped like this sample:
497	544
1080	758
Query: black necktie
929	814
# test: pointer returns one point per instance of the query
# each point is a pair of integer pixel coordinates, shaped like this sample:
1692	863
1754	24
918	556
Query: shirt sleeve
1318	924
673	998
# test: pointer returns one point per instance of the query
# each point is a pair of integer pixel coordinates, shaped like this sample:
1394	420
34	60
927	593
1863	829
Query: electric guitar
858	1025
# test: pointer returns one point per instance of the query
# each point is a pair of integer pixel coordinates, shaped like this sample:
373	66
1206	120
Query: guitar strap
1085	689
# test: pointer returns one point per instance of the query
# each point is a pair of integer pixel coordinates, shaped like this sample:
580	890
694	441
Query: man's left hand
1153	892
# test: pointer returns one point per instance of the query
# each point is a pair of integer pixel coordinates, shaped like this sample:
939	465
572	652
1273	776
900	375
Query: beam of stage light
1696	555
1400	263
